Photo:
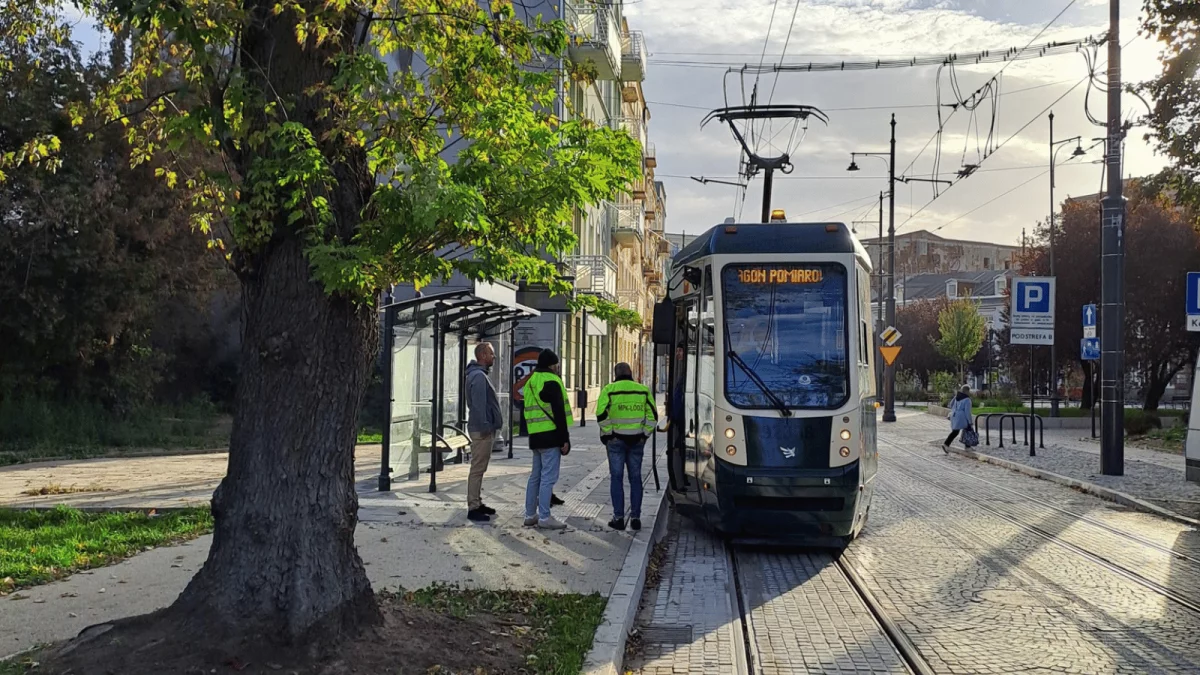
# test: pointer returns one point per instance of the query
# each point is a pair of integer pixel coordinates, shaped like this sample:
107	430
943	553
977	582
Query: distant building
923	252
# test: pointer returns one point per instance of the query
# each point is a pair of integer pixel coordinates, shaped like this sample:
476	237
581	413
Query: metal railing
633	56
1038	426
632	126
594	36
624	219
594	274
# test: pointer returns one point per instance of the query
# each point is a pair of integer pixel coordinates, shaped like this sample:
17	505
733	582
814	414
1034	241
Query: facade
923	252
621	252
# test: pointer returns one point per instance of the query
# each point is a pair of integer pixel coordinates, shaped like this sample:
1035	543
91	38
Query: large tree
961	333
1161	246
93	256
1175	116
918	322
333	122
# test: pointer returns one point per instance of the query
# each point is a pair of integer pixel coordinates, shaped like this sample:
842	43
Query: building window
987	264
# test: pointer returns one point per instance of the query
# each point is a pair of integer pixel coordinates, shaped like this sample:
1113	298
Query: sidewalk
407	537
1150	475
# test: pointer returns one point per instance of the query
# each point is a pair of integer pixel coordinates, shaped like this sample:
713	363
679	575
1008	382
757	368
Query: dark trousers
953	435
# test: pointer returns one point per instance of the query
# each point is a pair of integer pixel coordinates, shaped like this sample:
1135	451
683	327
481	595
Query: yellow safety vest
538	417
630	409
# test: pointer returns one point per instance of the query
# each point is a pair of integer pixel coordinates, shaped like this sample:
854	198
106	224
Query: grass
1171	439
38	546
562	625
32	429
369	434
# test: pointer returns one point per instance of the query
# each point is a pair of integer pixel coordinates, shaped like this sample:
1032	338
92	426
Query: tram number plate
749	480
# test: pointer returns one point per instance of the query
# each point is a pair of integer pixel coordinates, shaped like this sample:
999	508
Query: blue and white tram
771	395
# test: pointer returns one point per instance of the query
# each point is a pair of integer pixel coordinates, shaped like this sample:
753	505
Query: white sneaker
551	524
530	522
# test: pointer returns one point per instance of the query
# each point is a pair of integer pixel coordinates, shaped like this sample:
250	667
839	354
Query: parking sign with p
1032	321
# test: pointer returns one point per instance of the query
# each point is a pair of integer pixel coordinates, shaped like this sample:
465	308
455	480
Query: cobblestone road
983	570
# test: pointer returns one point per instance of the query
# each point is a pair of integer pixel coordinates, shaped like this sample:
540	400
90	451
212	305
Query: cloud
711	35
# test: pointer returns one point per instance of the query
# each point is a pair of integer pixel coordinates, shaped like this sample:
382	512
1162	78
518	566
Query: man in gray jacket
483	421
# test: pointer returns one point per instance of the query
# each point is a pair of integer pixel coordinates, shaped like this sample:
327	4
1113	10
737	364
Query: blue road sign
1089	349
1033	296
1089	315
1193	293
1031	321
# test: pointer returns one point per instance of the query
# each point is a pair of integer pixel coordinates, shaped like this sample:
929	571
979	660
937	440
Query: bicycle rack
1039	425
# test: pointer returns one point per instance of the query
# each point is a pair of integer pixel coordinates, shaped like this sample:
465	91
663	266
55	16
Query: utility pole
889	372
1112	271
1054	345
879	314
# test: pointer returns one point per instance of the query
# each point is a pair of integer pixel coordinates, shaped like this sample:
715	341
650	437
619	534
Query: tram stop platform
408	537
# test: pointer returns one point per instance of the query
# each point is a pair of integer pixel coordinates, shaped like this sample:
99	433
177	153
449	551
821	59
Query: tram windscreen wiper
778	402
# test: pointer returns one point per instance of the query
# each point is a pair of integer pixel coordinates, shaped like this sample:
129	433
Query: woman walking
960	416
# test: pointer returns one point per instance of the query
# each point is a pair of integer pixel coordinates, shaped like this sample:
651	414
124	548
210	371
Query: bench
451	440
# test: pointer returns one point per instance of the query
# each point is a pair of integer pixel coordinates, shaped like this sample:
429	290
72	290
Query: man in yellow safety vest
548	419
627	416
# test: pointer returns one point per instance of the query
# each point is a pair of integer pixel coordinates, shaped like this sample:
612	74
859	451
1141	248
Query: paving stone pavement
1150	475
407	538
983	569
979	594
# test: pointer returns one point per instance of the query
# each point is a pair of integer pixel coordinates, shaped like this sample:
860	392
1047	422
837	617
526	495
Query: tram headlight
730	433
731	450
844	452
845	434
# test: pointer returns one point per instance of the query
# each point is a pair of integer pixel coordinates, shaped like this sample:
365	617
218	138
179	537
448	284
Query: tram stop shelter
428	339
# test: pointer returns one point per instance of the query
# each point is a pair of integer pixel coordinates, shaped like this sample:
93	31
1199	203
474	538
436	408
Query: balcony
594	275
594	38
633	56
649	153
629	93
638	189
625	223
632	126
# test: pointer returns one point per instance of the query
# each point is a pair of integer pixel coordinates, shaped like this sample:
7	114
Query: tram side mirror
693	275
664	322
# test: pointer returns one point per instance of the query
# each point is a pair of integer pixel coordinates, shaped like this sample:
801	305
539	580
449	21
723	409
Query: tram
771	394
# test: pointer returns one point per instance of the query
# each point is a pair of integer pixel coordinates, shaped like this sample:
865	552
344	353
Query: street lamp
1055	146
889	376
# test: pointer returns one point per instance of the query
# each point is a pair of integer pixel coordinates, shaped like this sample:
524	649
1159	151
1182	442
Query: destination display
782	275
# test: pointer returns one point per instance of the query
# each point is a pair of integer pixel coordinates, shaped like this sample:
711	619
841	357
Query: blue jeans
625	453
541	482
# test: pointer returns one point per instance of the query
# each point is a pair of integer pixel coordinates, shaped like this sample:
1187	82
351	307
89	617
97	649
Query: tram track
753	660
1100	560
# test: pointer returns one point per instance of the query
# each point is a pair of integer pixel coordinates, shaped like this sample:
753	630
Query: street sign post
1089	321
1193	301
1032	318
1089	349
889	353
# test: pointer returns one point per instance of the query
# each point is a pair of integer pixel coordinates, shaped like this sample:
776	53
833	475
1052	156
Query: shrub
1140	422
944	385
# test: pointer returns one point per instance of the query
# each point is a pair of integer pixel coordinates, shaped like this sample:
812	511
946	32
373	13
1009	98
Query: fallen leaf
73	615
40	601
514	564
69	595
383	540
103	590
18	596
466	568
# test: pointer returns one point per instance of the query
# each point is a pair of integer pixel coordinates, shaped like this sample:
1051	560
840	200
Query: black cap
547	358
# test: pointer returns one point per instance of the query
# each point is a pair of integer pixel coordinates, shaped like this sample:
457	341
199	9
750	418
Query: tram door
681	442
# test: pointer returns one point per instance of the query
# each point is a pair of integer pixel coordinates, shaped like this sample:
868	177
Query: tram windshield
787	323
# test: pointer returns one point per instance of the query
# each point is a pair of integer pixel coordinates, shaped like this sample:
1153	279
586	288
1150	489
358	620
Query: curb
1083	486
607	655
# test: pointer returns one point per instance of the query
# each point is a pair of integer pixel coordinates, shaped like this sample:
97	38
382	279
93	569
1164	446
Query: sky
692	43
685	38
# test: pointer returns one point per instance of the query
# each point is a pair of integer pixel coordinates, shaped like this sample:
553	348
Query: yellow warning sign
889	354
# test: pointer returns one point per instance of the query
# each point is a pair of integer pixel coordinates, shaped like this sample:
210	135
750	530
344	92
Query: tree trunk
1160	376
283	560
